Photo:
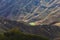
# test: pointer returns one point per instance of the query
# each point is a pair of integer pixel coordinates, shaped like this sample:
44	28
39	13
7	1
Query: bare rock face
53	18
17	9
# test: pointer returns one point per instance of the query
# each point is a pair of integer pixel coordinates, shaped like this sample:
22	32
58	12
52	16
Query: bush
15	34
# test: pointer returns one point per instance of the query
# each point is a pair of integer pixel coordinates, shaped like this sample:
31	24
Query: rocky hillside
49	31
53	18
15	9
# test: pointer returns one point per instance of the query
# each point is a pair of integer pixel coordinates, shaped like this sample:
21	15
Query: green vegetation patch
15	34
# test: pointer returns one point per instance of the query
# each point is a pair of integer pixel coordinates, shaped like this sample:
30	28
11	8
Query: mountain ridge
49	31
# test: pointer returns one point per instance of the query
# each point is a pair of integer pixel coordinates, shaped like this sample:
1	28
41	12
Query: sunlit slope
53	18
57	24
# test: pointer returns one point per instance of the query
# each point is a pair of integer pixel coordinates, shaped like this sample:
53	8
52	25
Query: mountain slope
49	31
53	18
13	9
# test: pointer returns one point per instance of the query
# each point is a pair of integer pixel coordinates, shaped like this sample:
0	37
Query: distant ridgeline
17	9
